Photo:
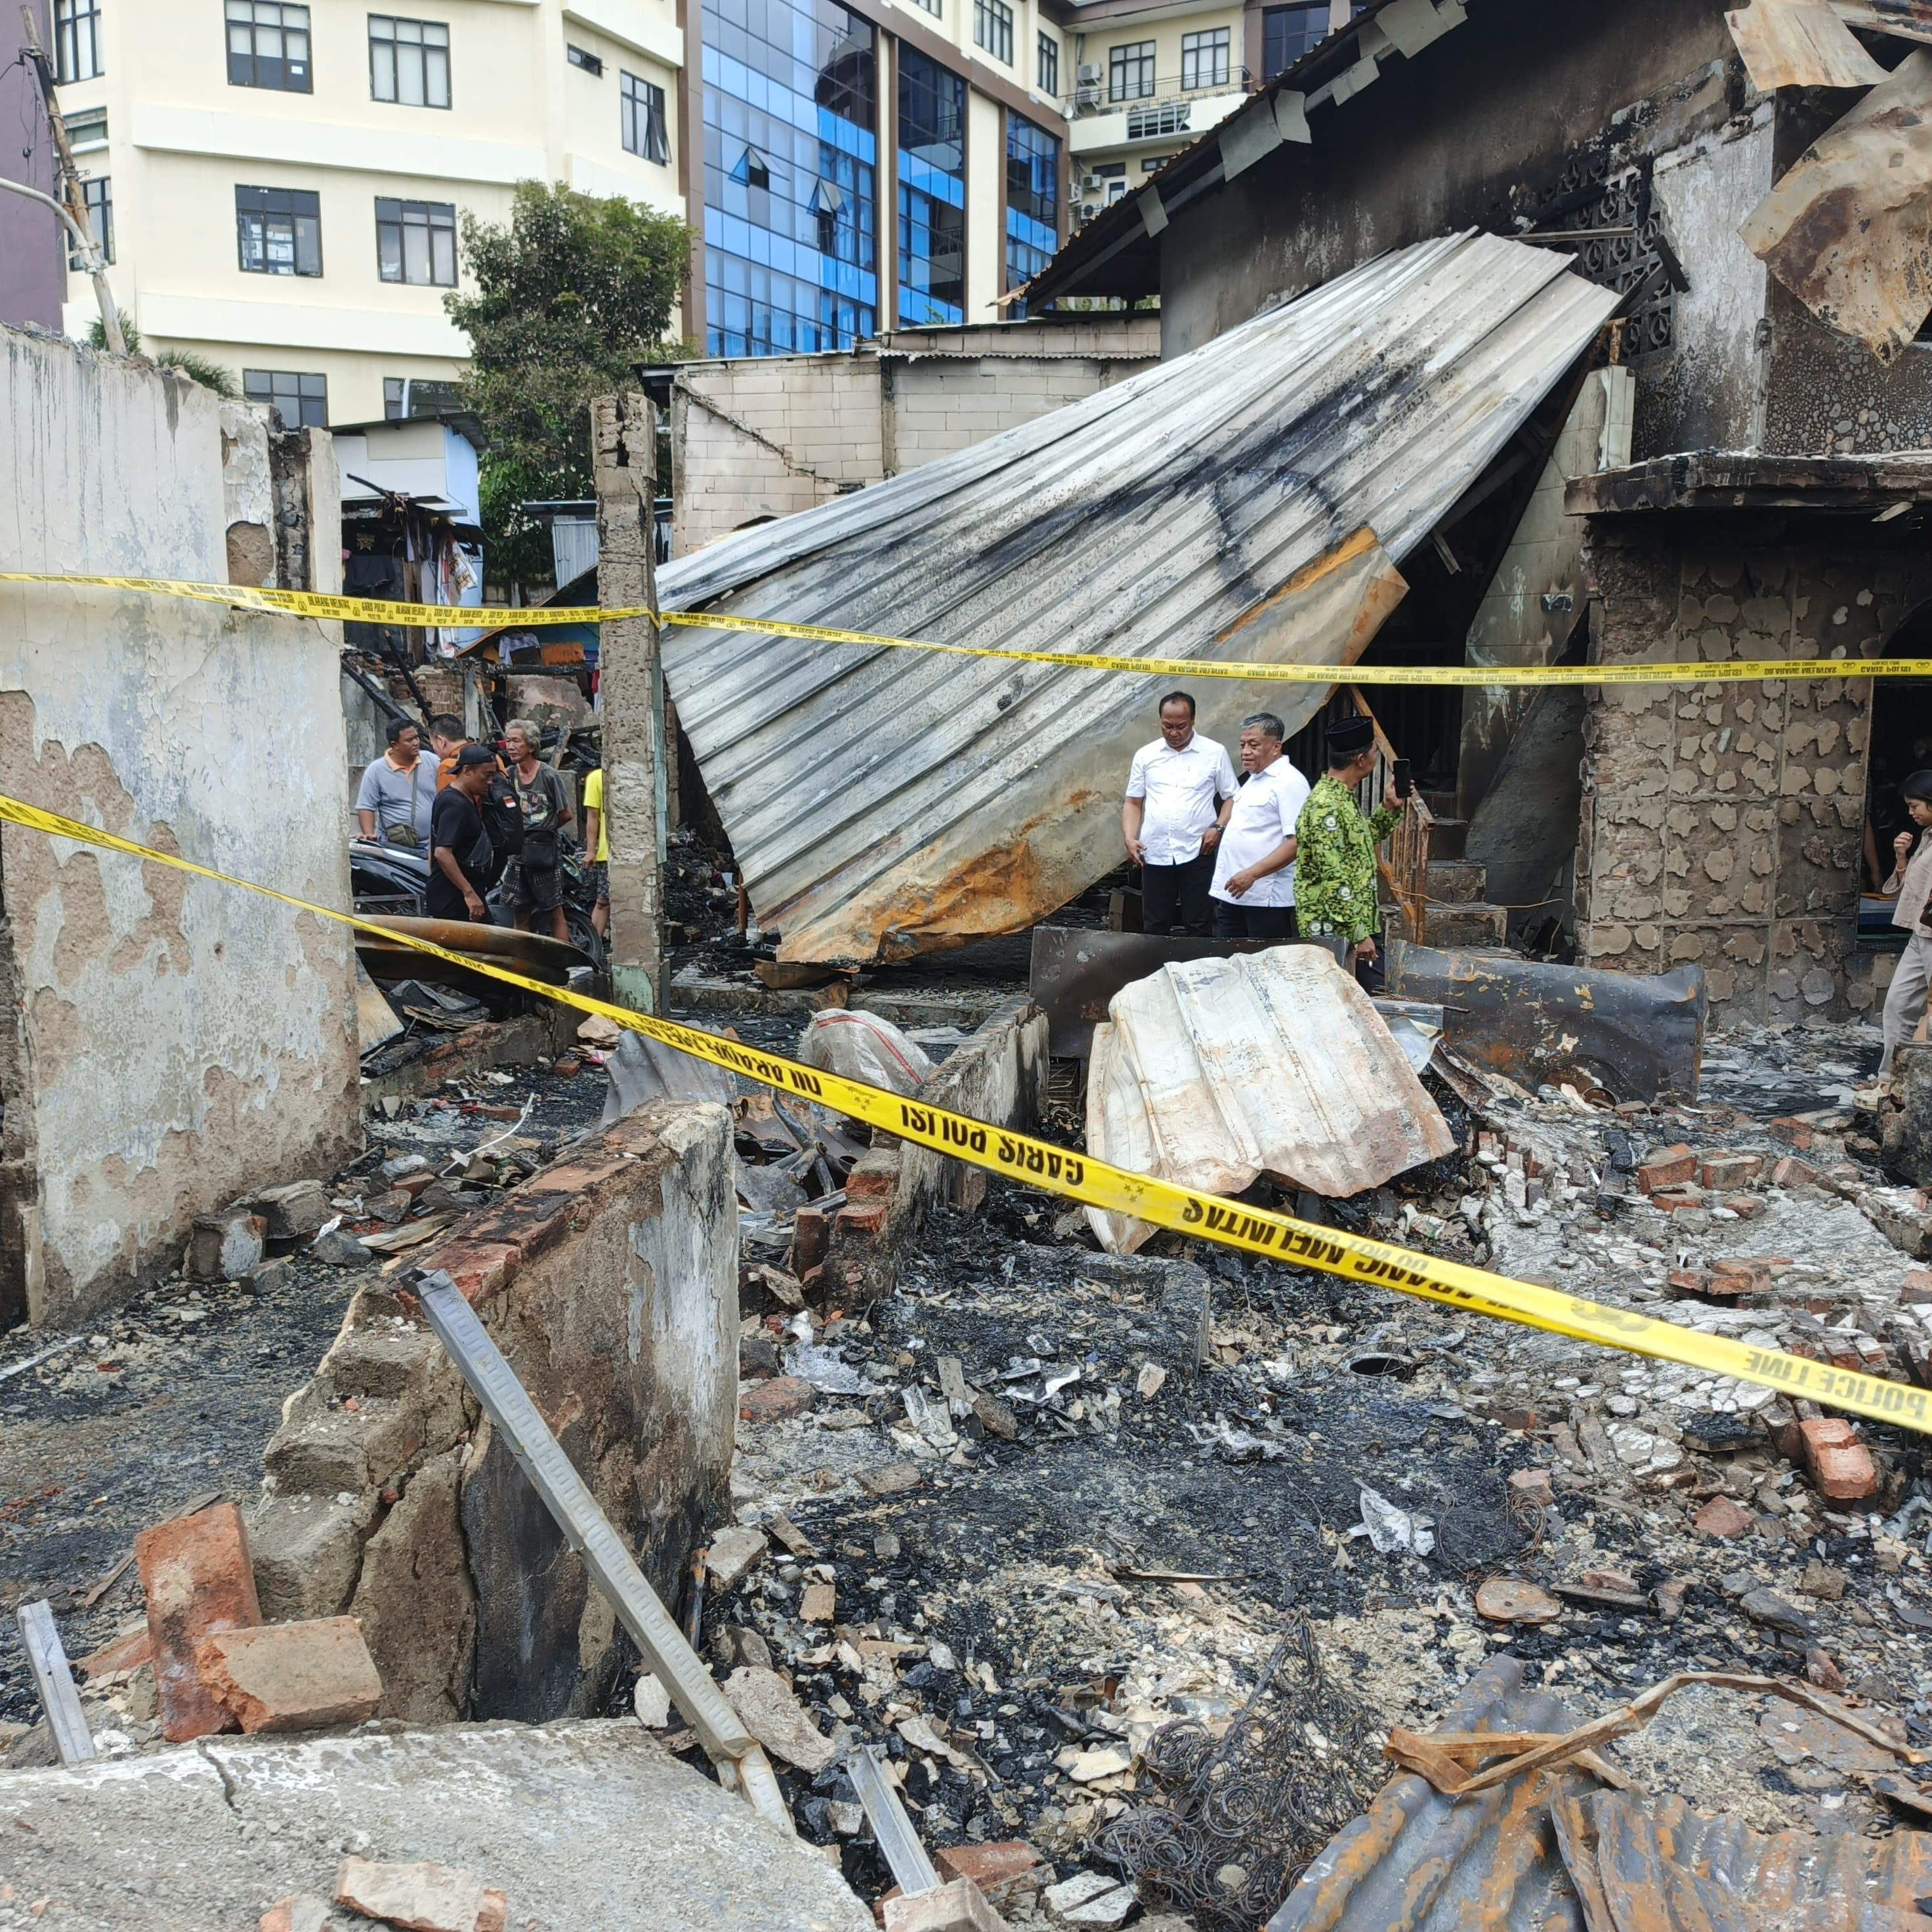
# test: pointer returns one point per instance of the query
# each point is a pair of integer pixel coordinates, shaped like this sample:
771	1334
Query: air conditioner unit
1090	72
1088	210
1086	100
1090	184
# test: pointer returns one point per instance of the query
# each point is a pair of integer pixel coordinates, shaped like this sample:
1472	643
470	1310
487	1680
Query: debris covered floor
1038	1501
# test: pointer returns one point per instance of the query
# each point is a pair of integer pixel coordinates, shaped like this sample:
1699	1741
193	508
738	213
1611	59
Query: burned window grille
1592	196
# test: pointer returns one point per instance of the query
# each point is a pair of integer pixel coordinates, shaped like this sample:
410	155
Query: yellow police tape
1094	1184
372	610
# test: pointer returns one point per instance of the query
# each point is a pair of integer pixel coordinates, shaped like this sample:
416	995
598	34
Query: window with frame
1203	58
645	130
77	40
1289	32
409	62
299	401
1130	71
582	57
415	241
99	193
278	231
1049	64
993	28
267	45
87	127
406	396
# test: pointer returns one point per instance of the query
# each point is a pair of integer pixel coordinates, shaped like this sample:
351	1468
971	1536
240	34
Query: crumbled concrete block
1729	1170
889	1479
222	1247
1009	1875
270	1277
291	1677
293	1211
308	1552
424	1897
957	1907
765	1704
774	1401
340	1249
199	1581
818	1605
1821	1581
300	1912
1089	1898
652	1702
1841	1466
732	1552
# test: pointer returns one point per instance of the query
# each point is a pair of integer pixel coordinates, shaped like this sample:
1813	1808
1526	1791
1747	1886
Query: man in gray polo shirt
398	792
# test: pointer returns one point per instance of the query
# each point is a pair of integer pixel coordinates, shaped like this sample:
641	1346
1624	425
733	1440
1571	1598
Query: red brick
862	1223
1531	1486
113	1660
291	1677
1009	1875
874	1179
1687	1281
1673	1165
957	1907
1521	1419
1729	1170
773	1401
810	1232
300	1912
199	1580
1840	1464
1795	1132
1916	1289
1792	1173
1745	1207
425	1897
479	1268
1722	1518
1675	1200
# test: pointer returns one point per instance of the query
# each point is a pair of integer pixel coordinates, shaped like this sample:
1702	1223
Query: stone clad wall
1722	824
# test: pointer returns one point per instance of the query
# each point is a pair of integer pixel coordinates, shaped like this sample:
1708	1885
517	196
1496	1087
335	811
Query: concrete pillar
623	430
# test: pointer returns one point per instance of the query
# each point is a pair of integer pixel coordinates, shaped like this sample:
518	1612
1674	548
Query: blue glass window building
932	192
790	177
1033	200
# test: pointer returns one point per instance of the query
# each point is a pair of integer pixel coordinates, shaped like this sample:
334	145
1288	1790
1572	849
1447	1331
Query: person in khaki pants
1912	880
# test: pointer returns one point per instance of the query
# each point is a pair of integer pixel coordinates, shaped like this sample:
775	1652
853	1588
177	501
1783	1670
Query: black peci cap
1349	738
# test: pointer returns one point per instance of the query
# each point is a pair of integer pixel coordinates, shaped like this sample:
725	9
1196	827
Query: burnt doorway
1900	744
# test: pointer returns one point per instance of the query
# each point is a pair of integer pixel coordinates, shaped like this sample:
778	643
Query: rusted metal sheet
1212	1072
1904	19
1800	44
1635	1035
1076	971
1558	1853
1251	501
1848	229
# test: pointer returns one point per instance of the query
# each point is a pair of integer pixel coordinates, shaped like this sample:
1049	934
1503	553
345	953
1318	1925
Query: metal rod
739	1759
898	1842
47	1660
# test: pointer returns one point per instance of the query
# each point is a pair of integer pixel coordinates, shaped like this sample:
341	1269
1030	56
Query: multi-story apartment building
1147	77
279	184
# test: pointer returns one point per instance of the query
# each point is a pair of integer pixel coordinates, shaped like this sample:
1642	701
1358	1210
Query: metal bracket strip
47	1659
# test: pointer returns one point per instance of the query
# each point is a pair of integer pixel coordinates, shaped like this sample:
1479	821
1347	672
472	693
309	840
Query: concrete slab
585	1825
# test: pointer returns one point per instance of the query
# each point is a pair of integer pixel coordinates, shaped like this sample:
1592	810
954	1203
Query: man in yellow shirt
597	843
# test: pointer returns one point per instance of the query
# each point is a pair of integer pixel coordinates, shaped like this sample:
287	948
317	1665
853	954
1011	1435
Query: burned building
1724	824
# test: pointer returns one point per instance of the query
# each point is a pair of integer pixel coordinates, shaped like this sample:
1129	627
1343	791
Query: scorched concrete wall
175	1043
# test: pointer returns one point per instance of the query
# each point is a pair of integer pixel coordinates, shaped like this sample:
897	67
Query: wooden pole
623	433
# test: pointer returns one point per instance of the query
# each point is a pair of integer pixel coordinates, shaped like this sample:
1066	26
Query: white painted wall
179	1042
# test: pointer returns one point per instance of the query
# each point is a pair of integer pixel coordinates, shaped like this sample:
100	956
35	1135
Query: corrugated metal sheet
1212	1072
1560	1853
1800	44
1244	501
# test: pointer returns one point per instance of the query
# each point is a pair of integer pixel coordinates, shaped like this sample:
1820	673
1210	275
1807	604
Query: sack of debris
862	1046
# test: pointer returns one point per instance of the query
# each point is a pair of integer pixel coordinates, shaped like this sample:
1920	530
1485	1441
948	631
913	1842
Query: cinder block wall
610	1282
1722	824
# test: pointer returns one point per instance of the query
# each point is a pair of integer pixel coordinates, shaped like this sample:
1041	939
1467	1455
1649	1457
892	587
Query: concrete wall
757	437
1721	823
174	1043
610	1280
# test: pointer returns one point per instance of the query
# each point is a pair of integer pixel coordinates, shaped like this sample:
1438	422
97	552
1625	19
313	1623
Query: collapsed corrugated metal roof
1212	1072
1243	502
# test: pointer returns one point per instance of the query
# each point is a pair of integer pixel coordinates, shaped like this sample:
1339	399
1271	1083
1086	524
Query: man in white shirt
1179	793
1254	870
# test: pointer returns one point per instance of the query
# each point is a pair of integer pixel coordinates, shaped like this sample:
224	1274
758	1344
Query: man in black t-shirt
459	846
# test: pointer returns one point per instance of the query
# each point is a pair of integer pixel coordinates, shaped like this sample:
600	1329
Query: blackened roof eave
1116	254
1725	479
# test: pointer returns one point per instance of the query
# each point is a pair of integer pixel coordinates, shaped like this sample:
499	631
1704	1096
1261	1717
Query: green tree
571	293
183	362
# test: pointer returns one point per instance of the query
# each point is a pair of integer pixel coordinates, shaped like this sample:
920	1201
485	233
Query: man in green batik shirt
1335	895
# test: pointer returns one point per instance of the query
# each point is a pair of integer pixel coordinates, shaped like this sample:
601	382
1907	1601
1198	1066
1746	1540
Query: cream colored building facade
284	183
